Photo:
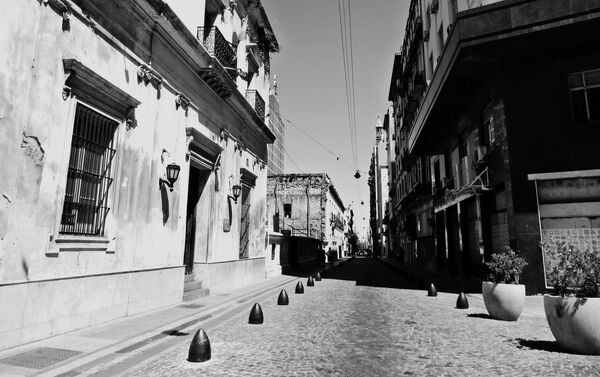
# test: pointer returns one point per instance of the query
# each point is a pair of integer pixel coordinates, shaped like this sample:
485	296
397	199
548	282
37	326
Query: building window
89	175
287	210
584	88
440	42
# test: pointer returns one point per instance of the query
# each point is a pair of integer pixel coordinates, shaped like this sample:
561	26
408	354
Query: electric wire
291	159
343	32
352	82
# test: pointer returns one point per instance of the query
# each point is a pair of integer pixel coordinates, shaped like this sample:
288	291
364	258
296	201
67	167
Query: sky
311	86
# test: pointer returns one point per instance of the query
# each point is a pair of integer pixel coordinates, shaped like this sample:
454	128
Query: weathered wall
292	189
145	227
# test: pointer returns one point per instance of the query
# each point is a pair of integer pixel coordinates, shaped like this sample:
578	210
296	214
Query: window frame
583	88
84	86
113	171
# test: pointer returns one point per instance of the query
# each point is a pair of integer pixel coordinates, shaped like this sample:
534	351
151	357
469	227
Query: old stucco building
307	206
99	101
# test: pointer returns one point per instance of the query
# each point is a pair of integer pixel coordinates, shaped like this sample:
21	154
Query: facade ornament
239	147
182	101
147	74
66	92
188	141
224	135
130	122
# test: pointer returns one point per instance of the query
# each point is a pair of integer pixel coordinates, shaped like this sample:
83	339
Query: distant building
308	205
498	132
378	179
276	156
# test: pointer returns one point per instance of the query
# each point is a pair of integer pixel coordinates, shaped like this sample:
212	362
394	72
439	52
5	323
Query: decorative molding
239	147
147	74
182	101
66	92
224	134
188	141
130	121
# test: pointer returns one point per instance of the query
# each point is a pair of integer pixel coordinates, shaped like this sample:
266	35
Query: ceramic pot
503	301
574	322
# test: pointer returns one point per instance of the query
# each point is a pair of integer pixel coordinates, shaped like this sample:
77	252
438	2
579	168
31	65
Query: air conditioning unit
435	5
480	153
426	35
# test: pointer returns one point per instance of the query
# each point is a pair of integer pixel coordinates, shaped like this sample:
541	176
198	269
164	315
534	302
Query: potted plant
574	315
503	296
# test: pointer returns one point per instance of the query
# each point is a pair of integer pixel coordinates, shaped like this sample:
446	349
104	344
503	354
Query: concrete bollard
256	315
310	282
283	298
432	291
318	278
462	302
199	348
299	288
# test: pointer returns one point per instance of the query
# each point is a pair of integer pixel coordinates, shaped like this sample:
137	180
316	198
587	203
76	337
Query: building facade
379	177
128	131
308	206
276	158
491	172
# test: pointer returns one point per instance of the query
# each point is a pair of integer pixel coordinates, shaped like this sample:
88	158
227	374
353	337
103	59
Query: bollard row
200	350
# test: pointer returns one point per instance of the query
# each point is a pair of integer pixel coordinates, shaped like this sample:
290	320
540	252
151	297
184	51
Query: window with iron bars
90	173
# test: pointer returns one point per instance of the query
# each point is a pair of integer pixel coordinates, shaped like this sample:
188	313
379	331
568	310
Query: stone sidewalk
421	279
365	320
83	351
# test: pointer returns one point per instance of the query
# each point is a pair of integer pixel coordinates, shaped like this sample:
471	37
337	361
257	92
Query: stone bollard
462	302
256	315
432	291
199	348
310	282
299	288
283	298
318	278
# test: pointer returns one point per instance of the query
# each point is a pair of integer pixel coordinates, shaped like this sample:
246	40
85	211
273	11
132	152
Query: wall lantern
172	175
236	190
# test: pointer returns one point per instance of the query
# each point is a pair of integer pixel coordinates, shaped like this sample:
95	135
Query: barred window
584	88
89	176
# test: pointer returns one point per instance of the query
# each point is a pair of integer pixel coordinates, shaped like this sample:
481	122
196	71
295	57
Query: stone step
192	285
195	294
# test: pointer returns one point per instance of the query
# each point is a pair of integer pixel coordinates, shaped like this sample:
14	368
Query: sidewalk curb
70	367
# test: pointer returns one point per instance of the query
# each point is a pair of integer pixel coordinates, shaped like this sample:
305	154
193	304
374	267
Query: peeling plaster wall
56	290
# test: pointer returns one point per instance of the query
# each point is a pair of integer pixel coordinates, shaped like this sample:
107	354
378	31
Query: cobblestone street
364	320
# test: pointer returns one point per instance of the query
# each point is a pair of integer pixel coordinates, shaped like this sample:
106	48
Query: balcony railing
218	47
257	102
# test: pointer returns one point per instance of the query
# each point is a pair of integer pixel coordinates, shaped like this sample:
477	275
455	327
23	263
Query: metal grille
245	223
39	358
257	102
219	48
89	176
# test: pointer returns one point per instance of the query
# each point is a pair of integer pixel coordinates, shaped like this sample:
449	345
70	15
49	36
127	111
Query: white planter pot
574	322
503	301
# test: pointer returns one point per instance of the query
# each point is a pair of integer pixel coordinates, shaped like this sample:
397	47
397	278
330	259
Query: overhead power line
345	17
